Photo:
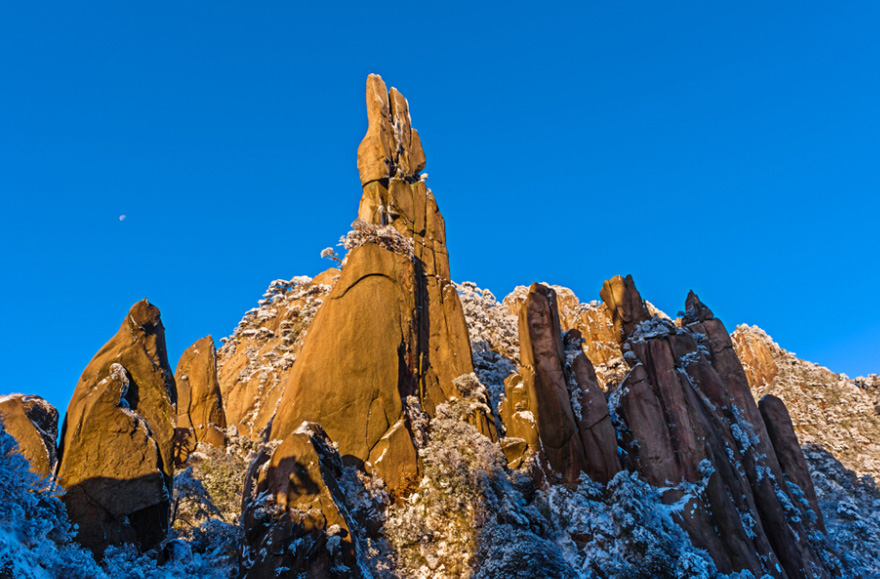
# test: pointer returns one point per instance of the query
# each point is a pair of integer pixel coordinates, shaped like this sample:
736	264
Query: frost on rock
851	507
827	409
363	232
252	362
494	337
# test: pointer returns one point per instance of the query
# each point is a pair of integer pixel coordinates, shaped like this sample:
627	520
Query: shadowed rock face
685	413
116	451
788	450
33	423
306	530
200	415
554	405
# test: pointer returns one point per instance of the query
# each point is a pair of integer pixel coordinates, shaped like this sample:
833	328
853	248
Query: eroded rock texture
686	417
33	423
200	416
116	443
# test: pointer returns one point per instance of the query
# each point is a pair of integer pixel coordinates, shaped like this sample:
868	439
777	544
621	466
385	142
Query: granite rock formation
390	334
254	362
200	416
687	417
554	407
33	423
116	443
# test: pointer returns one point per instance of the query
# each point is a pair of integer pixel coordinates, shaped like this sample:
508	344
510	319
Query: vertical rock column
200	415
116	449
555	405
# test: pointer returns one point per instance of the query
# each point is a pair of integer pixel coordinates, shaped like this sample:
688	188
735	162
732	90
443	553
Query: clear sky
728	147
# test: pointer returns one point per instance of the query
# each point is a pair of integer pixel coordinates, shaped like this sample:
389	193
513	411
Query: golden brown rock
358	363
625	305
200	415
391	147
33	423
253	363
116	452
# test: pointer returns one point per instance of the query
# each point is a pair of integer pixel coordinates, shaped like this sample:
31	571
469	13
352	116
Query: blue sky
729	148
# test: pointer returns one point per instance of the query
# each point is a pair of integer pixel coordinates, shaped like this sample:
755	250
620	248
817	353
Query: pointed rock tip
143	314
696	309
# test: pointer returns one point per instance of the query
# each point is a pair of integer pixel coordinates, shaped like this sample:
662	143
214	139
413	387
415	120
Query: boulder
33	423
200	416
116	443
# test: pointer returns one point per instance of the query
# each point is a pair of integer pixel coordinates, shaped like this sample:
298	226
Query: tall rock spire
390	334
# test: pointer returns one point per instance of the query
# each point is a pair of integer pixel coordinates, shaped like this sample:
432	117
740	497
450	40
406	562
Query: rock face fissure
555	413
116	443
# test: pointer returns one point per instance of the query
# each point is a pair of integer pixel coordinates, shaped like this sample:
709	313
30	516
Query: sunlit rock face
253	364
116	444
200	416
33	423
390	337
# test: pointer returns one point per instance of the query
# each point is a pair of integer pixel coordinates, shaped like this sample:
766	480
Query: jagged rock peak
391	147
33	423
200	416
625	304
695	310
116	450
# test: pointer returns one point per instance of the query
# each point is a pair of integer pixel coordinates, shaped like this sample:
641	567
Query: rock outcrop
686	418
33	423
306	529
200	416
254	363
554	405
838	413
116	443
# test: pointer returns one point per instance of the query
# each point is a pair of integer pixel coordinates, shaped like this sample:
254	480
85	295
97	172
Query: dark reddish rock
788	450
